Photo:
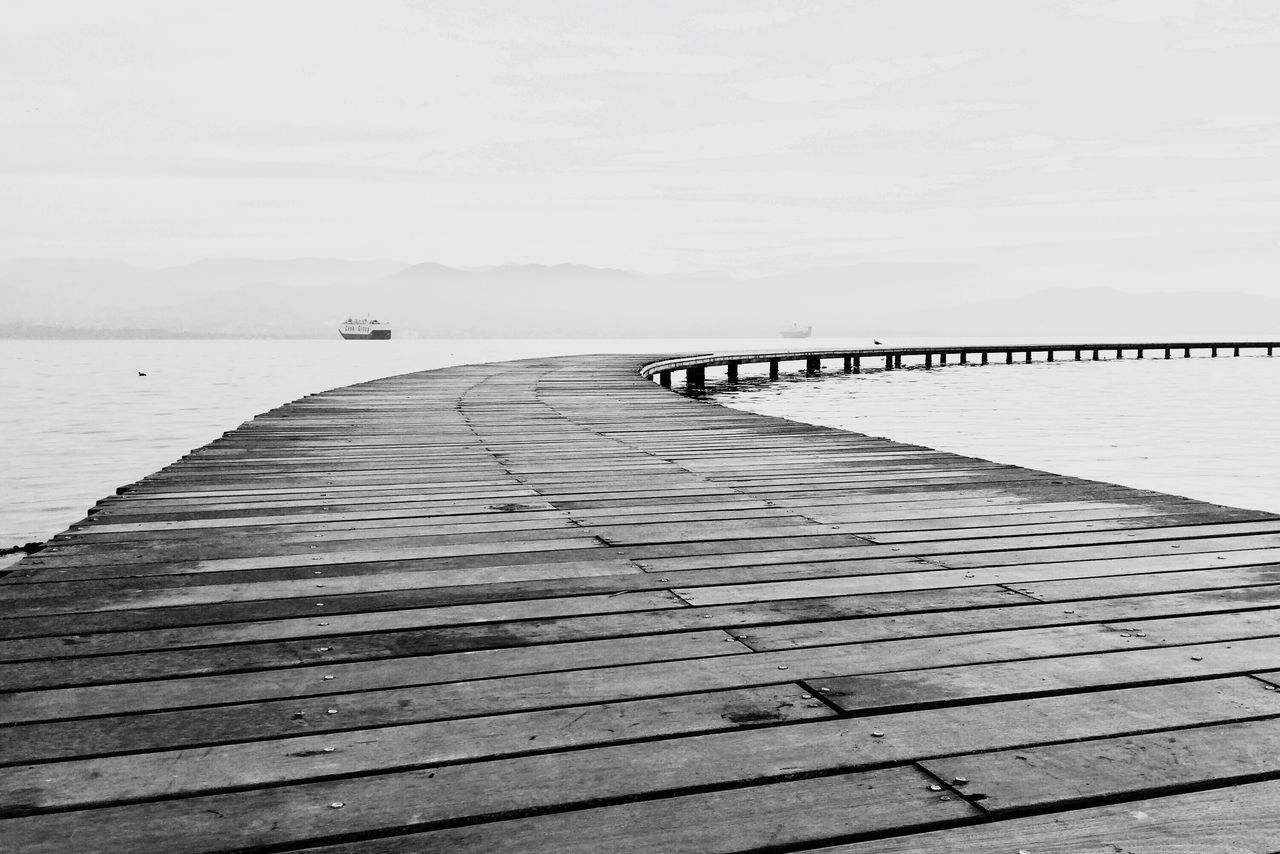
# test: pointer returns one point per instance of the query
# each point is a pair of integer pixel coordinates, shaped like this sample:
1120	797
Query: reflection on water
1202	427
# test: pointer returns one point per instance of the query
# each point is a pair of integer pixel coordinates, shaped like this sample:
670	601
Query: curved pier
548	606
895	357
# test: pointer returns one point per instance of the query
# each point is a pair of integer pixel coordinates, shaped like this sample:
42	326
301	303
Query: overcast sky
744	135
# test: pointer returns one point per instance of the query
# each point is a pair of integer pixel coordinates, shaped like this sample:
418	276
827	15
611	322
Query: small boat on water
795	330
363	329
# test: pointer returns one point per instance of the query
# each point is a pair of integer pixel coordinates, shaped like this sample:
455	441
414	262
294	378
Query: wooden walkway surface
549	606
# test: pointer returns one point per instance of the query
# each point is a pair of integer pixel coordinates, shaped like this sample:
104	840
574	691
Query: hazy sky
743	135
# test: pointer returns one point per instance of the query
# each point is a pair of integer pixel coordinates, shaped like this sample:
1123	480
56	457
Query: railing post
1008	357
1237	351
1139	352
1214	353
964	358
1048	355
1119	354
664	379
897	361
848	364
1077	354
928	360
984	357
1166	352
812	365
888	363
942	359
1186	352
733	371
1095	355
1028	356
773	369
695	377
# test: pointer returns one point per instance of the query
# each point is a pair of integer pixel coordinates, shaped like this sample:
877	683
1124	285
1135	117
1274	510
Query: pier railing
892	357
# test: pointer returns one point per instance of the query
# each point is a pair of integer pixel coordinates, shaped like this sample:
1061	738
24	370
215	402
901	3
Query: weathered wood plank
1102	523
725	821
556	778
128	594
451	629
1235	820
879	578
1139	614
788	814
225	679
303	755
1120	767
50	568
398	609
587	685
967	683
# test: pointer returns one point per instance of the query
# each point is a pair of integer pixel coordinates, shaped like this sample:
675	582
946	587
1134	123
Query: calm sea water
77	421
1202	427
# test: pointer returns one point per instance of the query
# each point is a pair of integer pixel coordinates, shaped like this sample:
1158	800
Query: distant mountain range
309	297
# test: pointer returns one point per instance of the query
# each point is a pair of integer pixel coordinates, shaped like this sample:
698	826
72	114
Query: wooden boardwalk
549	606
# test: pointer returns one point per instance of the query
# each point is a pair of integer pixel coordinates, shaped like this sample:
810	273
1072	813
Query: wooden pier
890	358
550	606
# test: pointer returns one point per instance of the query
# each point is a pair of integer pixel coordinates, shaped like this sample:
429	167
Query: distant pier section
856	359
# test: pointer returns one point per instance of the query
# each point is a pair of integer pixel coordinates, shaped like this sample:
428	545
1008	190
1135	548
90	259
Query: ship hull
375	335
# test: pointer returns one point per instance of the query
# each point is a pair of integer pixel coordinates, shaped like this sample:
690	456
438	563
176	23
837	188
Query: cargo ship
796	331
363	329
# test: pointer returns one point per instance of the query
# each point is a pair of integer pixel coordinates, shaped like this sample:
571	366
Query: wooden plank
1000	680
1137	613
782	526
226	679
583	686
317	509
881	578
354	526
667	558
1002	551
1030	526
947	495
734	754
927	507
54	598
1130	766
450	629
1243	581
790	814
41	581
369	611
143	500
253	543
51	568
1232	820
301	756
